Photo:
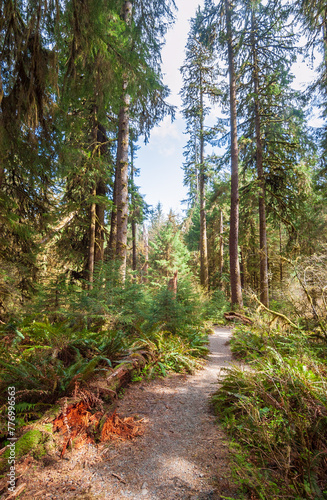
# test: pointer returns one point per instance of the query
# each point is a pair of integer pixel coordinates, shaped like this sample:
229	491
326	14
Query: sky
161	159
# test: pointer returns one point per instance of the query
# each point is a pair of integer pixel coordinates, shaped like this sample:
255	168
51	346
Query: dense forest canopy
81	83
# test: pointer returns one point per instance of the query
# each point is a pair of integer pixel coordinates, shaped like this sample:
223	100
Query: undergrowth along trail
181	455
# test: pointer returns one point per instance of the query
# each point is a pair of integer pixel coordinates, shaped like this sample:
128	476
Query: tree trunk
2	171
280	255
197	186
134	255
122	166
113	222
133	223
221	244
2	157
90	265
92	227
243	269
203	219
235	275
324	26
264	289
146	254
99	228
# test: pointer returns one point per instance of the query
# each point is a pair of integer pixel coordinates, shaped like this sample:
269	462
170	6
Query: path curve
182	455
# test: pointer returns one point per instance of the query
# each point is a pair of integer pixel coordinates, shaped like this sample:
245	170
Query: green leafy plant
277	411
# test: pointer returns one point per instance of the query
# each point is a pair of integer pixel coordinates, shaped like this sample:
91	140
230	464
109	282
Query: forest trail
182	455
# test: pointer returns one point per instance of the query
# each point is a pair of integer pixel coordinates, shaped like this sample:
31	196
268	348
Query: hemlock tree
235	275
273	133
28	138
313	14
113	66
225	17
199	77
266	56
121	188
146	23
92	48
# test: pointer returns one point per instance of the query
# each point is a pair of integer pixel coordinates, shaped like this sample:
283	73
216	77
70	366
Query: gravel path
182	455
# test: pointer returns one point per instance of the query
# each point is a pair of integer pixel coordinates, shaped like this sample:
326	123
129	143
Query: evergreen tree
235	276
144	42
273	133
266	56
313	14
28	139
199	77
168	253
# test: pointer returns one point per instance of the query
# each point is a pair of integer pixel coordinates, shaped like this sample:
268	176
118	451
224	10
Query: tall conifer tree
235	275
199	78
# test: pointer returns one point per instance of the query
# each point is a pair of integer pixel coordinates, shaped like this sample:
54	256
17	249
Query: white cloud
167	150
166	130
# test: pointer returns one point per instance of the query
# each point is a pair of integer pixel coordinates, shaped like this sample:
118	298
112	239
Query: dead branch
274	313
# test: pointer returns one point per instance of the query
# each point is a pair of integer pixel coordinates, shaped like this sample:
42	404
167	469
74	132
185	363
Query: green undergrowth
275	410
48	351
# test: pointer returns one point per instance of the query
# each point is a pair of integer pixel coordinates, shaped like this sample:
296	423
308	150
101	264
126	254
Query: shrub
277	412
169	352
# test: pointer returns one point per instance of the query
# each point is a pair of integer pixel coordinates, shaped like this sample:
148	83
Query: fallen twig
17	491
118	477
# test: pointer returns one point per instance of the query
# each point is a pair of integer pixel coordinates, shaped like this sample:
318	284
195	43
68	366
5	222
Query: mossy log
123	372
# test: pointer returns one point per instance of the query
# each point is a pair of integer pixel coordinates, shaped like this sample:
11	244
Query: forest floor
182	453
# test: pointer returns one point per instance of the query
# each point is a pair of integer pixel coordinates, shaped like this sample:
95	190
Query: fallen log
234	316
123	372
76	421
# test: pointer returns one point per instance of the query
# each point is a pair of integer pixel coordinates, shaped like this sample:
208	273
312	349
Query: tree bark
122	166
280	256
324	25
221	244
113	221
2	171
146	254
235	275
92	227
2	168
133	223
203	219
134	252
90	265
264	288
99	228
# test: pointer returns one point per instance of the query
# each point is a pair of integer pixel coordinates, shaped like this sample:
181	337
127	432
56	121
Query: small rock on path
183	454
